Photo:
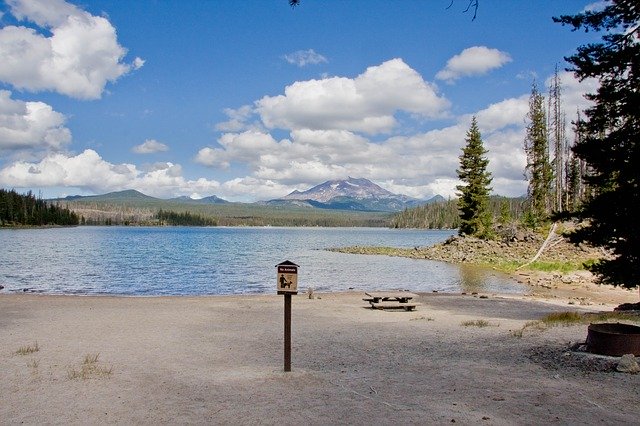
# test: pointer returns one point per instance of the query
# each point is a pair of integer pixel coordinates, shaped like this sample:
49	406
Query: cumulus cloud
421	164
150	146
238	119
476	60
30	125
88	171
74	53
302	58
246	147
366	103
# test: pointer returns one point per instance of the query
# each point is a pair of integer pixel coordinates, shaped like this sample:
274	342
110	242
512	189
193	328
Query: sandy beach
219	360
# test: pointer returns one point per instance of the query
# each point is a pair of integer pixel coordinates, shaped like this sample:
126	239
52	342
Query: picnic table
391	300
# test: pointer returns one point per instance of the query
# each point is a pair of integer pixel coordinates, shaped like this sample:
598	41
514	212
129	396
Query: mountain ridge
351	194
358	194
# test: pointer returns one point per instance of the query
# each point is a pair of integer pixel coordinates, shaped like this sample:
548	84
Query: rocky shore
558	273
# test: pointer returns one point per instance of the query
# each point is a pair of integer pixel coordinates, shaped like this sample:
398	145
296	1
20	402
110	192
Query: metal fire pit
613	339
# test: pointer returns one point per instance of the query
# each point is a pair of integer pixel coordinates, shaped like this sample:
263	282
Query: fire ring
613	339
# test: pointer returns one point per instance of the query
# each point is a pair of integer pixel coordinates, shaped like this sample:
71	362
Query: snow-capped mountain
349	194
351	187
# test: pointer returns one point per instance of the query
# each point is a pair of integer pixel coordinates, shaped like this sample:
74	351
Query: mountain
118	196
206	200
350	194
130	196
213	200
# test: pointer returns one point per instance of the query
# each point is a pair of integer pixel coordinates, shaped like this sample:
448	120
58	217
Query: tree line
446	214
183	219
27	210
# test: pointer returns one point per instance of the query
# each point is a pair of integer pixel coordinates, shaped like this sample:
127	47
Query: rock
628	364
1	287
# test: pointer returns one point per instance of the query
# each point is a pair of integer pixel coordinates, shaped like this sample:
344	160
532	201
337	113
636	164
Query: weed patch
90	369
476	323
569	318
28	349
422	318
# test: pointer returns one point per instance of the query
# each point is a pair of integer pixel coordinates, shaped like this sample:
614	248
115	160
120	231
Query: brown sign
287	279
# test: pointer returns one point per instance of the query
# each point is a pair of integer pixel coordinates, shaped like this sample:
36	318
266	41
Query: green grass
562	318
28	349
510	266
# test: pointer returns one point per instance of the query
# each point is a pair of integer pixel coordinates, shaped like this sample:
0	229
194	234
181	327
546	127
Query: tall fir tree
475	216
610	136
538	172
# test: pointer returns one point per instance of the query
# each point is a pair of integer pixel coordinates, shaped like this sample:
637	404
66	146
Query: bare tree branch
472	4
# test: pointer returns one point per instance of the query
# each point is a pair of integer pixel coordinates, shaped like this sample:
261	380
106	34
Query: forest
27	210
446	214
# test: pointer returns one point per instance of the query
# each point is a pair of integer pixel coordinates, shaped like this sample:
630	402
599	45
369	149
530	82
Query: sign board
287	278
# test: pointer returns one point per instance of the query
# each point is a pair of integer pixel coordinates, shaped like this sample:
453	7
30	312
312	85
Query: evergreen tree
538	170
473	204
610	143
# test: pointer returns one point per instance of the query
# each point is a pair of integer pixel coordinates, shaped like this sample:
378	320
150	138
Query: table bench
391	300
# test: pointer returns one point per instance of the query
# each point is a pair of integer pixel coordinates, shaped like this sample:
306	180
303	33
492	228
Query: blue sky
249	100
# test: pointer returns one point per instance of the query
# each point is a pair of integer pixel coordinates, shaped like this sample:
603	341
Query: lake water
202	261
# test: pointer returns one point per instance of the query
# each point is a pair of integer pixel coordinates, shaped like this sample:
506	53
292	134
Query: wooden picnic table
391	299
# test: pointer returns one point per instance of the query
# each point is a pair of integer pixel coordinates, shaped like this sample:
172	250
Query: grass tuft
28	349
571	318
422	318
562	318
476	323
90	359
90	369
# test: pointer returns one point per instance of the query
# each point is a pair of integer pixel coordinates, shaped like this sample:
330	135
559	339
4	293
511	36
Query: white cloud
30	125
366	103
246	147
150	146
596	6
79	57
421	164
90	172
238	119
302	58
476	60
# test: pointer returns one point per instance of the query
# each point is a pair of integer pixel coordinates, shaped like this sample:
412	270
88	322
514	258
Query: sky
249	100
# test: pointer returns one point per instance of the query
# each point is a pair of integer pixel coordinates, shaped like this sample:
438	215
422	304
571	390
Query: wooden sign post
287	284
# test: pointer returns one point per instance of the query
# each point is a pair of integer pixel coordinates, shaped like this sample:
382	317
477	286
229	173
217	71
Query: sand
219	360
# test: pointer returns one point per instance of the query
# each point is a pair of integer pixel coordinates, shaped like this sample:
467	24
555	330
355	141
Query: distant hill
131	196
350	194
206	200
118	196
134	208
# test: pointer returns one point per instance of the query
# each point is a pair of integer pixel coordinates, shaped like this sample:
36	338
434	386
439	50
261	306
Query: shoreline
218	359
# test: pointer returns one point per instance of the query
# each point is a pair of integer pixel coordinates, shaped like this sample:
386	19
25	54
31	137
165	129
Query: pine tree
538	170
475	216
610	143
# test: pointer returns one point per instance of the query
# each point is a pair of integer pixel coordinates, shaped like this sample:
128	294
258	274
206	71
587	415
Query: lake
203	261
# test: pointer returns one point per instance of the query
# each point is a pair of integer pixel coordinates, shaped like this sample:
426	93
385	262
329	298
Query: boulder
628	364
